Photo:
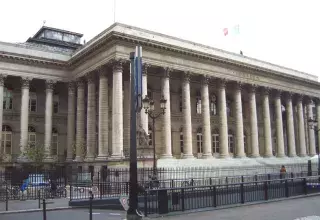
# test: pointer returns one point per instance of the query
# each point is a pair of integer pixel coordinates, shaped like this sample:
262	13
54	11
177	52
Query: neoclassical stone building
222	108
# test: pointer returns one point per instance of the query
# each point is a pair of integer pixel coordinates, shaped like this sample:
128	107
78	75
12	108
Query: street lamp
148	105
312	123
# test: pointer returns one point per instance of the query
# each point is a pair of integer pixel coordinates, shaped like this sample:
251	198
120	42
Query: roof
56	29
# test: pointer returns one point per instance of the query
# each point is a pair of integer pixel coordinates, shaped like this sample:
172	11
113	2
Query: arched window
7	98
215	142
199	140
7	139
230	141
32	102
213	105
181	140
150	135
32	136
54	142
198	102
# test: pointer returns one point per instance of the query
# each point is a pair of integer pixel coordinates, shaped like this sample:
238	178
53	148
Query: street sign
124	200
138	77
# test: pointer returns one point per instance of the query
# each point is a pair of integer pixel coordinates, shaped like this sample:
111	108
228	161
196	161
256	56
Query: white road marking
114	213
309	218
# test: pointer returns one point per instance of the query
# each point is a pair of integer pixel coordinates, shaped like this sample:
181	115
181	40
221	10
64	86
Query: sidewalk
17	205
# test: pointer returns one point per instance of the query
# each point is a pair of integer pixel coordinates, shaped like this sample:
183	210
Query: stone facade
219	104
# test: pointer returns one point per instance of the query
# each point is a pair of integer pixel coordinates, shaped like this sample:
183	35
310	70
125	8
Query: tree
35	153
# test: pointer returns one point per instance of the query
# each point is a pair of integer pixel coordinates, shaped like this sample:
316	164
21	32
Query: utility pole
136	104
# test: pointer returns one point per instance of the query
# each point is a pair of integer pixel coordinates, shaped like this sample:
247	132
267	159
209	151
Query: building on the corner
222	108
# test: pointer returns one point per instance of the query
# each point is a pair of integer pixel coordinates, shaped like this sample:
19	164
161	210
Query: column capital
299	97
205	79
186	76
50	84
71	87
2	78
166	72
288	95
80	83
222	83
102	71
317	101
117	65
25	82
238	85
253	88
266	91
277	93
145	68
90	78
309	100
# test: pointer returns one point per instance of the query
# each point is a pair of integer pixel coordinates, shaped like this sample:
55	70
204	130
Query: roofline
56	29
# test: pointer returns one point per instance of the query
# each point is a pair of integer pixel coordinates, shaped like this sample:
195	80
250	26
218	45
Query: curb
33	210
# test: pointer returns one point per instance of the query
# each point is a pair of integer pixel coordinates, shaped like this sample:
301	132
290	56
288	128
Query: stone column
205	109
91	118
117	111
302	136
48	120
126	117
24	116
186	113
253	122
103	115
166	122
318	119
267	124
80	144
2	77
71	121
143	115
223	137
312	144
239	121
279	125
290	127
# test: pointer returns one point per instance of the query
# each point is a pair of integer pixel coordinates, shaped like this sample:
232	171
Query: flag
235	30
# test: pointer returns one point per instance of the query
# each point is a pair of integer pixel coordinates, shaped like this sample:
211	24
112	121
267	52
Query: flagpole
114	11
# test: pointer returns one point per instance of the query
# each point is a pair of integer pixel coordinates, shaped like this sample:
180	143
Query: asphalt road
70	214
296	209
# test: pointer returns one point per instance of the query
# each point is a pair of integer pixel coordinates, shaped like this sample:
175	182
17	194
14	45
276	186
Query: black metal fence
162	201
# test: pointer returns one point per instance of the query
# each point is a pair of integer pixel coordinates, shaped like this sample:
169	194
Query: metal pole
44	210
133	184
154	145
7	198
90	205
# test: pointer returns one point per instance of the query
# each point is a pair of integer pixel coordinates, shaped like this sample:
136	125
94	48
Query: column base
69	159
166	156
22	159
89	159
224	156
268	156
280	156
206	156
116	157
292	155
187	156
303	155
254	156
240	156
78	159
48	159
102	158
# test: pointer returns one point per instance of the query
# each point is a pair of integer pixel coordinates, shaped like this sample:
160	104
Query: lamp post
148	105
312	123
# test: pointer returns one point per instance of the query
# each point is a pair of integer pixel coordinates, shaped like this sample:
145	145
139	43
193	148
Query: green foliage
35	153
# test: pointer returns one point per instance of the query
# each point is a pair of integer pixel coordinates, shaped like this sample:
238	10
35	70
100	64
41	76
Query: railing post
7	198
286	186
305	186
44	209
172	183
182	199
214	196
90	205
146	203
210	181
266	190
242	179
39	199
269	176
242	193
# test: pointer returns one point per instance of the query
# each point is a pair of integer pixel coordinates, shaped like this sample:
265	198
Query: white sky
283	32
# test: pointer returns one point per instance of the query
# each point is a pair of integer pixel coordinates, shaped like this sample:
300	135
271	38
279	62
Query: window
213	105
7	99
198	102
215	142
54	142
181	140
31	136
199	140
230	141
55	104
150	136
6	139
33	102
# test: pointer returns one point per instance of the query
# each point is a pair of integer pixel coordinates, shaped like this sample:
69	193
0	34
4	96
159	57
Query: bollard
7	198
39	200
90	205
44	210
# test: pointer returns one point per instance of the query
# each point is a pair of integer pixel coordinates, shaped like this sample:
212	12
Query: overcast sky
283	32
